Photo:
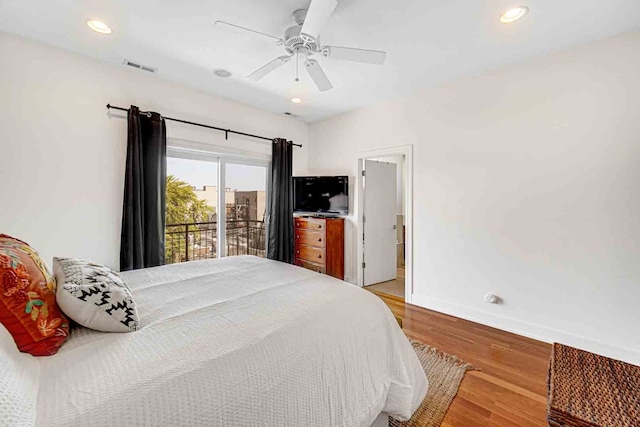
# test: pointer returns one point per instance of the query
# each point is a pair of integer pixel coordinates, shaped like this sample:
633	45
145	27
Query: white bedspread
240	341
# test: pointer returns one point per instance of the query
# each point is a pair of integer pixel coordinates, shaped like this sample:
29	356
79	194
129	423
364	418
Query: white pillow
94	296
18	383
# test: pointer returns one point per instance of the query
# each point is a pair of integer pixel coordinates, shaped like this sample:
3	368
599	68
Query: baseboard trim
526	329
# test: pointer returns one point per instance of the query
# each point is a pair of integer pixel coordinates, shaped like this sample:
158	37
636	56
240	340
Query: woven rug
587	390
444	372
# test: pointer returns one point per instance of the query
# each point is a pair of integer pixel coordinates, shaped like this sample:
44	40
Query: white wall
62	155
527	185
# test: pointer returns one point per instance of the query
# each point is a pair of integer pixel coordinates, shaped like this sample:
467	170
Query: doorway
384	216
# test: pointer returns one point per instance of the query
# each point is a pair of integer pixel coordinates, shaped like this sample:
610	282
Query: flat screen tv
321	194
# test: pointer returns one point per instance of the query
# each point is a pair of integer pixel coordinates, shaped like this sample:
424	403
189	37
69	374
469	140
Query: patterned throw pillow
28	307
95	296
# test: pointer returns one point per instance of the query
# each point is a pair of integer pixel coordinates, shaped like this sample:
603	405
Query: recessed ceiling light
222	73
296	100
99	26
514	14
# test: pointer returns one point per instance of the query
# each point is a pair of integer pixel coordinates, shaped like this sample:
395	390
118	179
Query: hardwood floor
509	390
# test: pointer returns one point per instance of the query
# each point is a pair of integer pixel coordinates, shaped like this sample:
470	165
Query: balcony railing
198	240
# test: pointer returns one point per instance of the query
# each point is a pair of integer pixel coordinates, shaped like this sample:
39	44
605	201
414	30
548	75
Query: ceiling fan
302	42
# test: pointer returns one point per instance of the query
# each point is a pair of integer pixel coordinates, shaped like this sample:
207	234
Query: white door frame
407	152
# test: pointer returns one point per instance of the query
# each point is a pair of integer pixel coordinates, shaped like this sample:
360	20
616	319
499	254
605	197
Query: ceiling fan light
296	100
514	14
99	26
301	41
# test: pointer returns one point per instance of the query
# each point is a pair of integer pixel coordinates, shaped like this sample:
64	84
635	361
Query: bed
239	341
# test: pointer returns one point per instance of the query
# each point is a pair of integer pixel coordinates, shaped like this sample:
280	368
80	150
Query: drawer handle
297	252
319	226
297	236
320	239
319	256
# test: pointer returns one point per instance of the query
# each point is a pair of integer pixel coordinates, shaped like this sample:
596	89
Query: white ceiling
428	41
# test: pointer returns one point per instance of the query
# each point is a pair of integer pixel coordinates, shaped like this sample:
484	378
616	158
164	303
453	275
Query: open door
380	222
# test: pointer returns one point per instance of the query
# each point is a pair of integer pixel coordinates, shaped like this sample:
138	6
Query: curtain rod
226	131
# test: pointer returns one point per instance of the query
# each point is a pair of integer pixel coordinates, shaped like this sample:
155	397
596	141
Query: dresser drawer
311	266
311	238
310	253
309	224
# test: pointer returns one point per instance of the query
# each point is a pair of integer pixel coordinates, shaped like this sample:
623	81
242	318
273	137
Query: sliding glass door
245	232
216	207
192	200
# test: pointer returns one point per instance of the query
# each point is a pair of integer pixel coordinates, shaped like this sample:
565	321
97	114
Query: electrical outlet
492	299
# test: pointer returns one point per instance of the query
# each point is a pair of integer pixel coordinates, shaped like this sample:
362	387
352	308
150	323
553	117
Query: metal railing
198	240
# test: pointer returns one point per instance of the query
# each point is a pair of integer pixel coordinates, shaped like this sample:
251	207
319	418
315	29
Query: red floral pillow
28	306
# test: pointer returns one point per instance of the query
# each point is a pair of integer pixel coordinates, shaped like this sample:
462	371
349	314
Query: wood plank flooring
509	390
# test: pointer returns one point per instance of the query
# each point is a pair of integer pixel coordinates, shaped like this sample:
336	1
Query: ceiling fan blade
317	74
268	68
242	30
317	16
376	57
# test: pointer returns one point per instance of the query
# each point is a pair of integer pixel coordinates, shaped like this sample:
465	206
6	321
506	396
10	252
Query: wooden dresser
319	245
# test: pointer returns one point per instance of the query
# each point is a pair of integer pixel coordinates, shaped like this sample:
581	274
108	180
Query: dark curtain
143	211
281	202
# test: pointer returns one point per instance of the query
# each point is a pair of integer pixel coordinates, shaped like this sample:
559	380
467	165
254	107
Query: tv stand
319	244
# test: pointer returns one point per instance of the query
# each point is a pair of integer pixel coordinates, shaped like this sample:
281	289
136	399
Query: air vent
287	113
139	66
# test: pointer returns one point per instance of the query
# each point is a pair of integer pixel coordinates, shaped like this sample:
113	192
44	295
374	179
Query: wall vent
139	66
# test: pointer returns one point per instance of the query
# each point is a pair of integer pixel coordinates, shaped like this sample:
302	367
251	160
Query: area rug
587	390
444	372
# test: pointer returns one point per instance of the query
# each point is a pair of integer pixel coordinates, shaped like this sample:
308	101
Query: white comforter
240	341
